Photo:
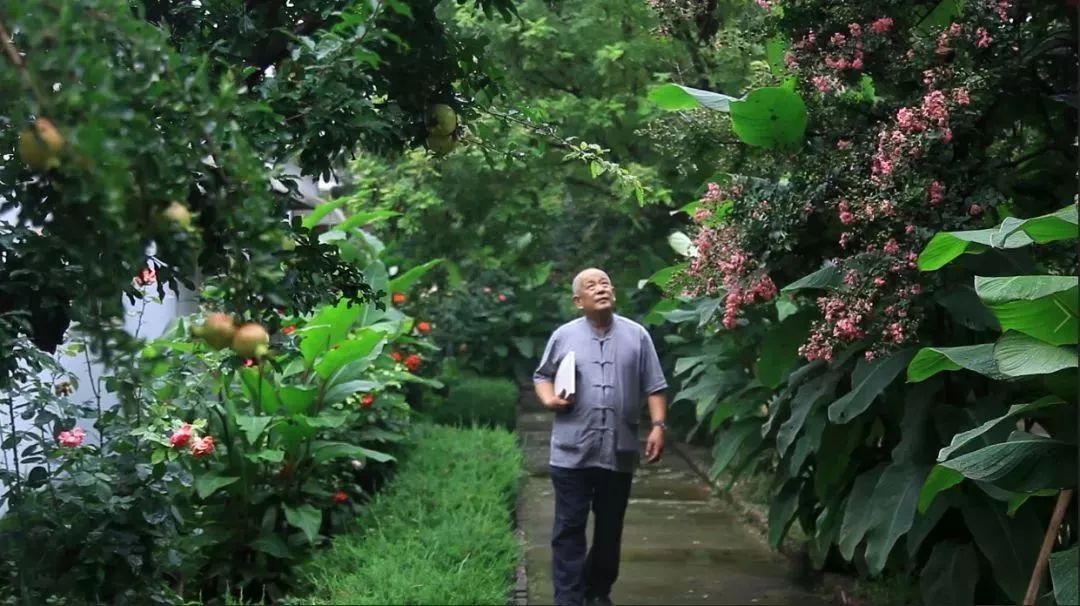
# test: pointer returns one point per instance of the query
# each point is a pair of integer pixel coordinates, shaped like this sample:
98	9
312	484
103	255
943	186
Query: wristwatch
660	424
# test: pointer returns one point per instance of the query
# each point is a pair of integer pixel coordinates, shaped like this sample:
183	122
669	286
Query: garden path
681	544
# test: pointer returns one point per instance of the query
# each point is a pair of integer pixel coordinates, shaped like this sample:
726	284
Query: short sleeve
652	374
549	362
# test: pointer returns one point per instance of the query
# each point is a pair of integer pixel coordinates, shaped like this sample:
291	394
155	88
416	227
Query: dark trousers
578	575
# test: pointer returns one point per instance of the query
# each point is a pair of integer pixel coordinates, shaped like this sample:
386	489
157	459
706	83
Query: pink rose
182	436
882	25
202	447
73	438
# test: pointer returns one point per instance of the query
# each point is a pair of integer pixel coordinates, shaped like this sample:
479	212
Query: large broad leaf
258	389
1021	465
322	452
940	479
878	375
321	211
1011	544
662	277
827	277
208	483
917	444
968	441
780	348
775	49
340	391
297	399
305	517
1063	565
1018	355
801	405
826	527
965	307
940	17
272	545
859	509
1012	233
833	457
253	427
327	328
925	523
741	435
950	575
782	511
367	344
366	218
895	500
770	117
405	281
675	97
932	360
1044	307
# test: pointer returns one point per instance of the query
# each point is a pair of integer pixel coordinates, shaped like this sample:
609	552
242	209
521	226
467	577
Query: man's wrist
660	424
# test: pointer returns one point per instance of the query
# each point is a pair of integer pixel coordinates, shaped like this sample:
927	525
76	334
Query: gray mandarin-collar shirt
614	374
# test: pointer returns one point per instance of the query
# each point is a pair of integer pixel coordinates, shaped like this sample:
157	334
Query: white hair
578	278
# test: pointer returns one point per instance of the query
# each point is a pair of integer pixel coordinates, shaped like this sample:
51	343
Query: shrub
441	533
487	401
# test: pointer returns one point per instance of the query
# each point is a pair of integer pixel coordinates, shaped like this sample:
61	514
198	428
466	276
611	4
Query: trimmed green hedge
487	401
440	533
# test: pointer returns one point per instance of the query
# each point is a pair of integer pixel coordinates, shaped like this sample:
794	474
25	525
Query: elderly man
594	441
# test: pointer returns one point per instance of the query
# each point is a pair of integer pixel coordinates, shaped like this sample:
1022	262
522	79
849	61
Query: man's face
595	293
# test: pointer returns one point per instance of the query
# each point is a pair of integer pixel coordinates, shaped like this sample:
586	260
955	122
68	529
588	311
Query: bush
441	533
487	401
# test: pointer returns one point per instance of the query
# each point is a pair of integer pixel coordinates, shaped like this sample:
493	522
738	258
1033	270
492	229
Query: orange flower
413	362
146	276
340	496
396	356
289	329
367	400
398	298
423	327
202	447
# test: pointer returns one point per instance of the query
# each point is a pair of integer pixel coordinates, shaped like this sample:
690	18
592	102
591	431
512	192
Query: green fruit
218	330
442	120
251	341
41	145
179	214
441	145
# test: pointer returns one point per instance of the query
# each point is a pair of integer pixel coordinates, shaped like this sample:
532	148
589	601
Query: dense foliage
805	294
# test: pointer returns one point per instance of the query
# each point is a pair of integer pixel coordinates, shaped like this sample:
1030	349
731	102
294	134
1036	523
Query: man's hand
559	402
654	447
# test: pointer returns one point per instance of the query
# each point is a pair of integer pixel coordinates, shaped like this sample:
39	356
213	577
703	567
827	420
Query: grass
440	533
486	401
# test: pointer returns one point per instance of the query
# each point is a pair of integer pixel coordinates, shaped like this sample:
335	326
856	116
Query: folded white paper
565	376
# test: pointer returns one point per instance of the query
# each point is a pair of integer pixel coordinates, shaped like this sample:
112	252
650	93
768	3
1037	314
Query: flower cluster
72	438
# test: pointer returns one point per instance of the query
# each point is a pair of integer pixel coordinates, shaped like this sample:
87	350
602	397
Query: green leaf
826	527
365	218
938	19
895	499
933	360
663	277
675	97
367	345
878	375
1017	499
801	404
326	451
321	211
966	308
770	117
1018	355
785	308
780	349
775	49
964	442
273	545
1021	465
827	277
253	427
1044	307
405	281
730	441
305	517
859	509
270	455
1058	225
327	328
296	399
208	483
782	511
950	575
1063	565
948	245
258	389
925	523
833	456
1011	544
940	479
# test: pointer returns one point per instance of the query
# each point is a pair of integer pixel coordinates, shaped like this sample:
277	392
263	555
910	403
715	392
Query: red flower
340	496
502	297
72	438
182	436
289	330
423	327
413	362
367	400
249	362
398	298
396	356
202	447
145	277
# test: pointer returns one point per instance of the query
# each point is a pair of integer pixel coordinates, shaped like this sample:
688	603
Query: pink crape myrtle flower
73	438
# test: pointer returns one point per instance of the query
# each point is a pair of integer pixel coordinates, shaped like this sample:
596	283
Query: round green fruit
442	120
441	145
